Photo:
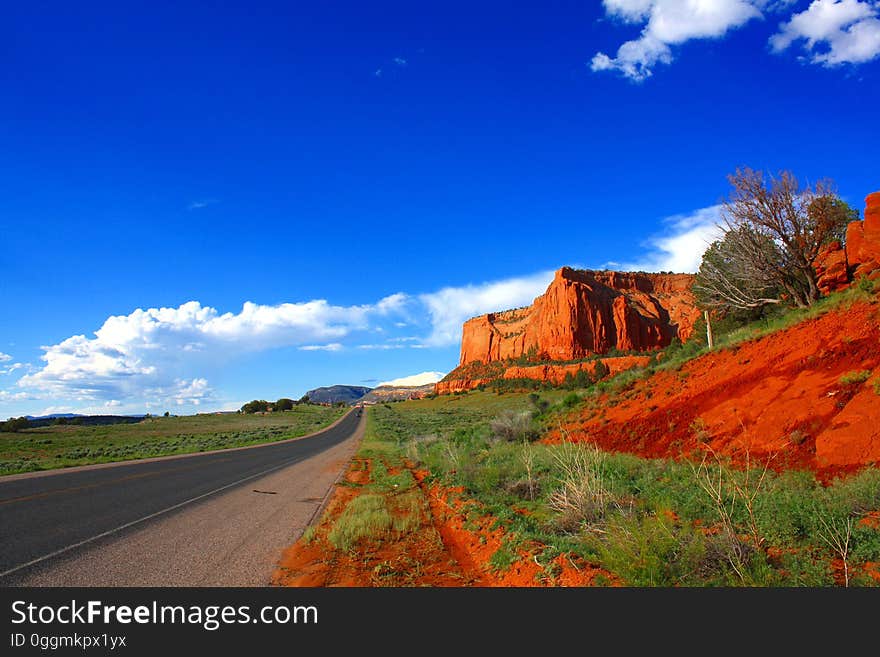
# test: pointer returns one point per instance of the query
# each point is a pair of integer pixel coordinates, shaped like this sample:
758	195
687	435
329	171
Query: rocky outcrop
832	270
863	240
838	265
396	393
451	386
584	313
556	373
548	372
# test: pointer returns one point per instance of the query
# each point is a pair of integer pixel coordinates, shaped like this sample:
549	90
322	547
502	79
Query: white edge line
145	518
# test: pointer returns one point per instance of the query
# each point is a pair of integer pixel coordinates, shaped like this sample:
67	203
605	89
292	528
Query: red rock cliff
863	239
838	265
587	312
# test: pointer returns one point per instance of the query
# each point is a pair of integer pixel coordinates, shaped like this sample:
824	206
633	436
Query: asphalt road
220	518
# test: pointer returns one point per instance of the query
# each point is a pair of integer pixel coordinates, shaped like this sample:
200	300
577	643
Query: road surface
215	519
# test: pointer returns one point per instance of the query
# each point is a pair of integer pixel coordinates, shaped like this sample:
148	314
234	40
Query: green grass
365	516
642	519
388	506
69	445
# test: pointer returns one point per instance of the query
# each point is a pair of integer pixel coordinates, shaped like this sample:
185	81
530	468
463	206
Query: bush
255	406
513	426
571	399
15	424
584	495
855	377
284	404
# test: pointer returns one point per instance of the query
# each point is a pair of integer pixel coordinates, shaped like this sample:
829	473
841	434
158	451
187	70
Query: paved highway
219	518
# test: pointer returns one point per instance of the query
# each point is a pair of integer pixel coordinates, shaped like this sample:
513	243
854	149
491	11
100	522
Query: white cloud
198	205
667	23
333	346
450	307
5	358
192	392
681	248
422	379
159	354
834	32
9	369
7	396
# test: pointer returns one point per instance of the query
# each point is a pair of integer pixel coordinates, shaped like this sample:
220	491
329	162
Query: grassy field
68	445
649	522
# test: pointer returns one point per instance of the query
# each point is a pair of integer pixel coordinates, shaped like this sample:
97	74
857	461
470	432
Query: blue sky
267	198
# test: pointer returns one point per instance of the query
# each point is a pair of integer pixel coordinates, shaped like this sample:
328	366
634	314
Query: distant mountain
83	420
53	416
333	394
397	393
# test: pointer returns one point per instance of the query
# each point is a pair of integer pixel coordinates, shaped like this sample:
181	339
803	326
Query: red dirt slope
781	394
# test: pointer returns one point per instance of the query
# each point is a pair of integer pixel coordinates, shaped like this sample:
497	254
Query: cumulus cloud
9	396
5	358
158	353
667	23
450	307
421	379
833	32
681	246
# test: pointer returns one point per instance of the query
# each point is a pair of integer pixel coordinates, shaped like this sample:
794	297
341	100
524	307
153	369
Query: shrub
855	377
601	371
584	495
571	399
513	426
15	424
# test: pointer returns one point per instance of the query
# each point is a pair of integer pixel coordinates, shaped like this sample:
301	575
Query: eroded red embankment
784	394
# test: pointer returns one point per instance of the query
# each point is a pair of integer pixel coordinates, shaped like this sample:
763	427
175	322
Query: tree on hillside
255	406
284	404
15	424
728	277
773	231
304	400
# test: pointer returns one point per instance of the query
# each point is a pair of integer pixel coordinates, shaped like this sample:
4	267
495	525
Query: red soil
473	543
781	394
448	550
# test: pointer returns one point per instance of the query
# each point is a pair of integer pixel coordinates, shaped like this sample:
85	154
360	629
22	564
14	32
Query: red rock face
584	313
548	372
831	267
863	240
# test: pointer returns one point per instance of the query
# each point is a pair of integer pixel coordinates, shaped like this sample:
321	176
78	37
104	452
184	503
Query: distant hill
83	420
333	394
52	416
397	393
